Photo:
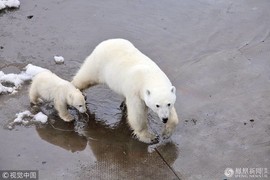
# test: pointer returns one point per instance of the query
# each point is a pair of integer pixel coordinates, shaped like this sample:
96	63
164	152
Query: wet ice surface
215	52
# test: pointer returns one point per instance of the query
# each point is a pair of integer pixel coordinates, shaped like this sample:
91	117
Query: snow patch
9	4
32	70
20	116
27	118
2	5
4	89
18	79
59	59
40	117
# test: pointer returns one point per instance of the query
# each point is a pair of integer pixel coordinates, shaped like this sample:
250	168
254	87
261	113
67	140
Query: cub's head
76	99
160	100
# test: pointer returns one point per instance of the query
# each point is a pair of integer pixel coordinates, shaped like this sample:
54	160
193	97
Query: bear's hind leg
137	119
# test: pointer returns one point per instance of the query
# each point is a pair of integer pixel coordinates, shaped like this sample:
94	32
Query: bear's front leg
137	119
61	107
171	124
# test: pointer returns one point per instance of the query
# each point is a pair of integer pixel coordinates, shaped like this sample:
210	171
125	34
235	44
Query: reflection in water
69	140
58	132
118	154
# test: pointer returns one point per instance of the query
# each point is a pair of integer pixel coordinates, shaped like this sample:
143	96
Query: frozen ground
215	52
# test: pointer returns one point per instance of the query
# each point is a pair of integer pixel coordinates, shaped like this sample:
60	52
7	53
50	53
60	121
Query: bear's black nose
164	120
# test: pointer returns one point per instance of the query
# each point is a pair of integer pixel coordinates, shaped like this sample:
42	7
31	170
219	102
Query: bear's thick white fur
130	73
49	87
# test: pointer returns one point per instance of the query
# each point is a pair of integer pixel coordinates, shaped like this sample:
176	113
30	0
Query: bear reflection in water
112	145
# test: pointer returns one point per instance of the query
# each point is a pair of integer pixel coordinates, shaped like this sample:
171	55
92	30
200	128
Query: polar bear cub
130	73
49	87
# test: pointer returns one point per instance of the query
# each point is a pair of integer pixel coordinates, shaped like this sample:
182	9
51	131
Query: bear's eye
80	105
169	105
157	106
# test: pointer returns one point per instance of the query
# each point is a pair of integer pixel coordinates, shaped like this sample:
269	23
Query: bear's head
161	101
76	99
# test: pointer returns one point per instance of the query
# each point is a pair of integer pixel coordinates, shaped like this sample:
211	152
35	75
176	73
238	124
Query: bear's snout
164	120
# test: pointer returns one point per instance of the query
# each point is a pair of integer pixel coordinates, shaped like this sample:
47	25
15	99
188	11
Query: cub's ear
148	92
173	89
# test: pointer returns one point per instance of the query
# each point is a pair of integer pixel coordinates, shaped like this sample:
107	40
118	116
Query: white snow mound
18	79
59	59
40	117
9	3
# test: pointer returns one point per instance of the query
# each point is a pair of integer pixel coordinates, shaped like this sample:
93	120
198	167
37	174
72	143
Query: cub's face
161	101
78	101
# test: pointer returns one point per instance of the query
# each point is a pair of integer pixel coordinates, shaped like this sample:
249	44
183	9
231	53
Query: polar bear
128	72
49	87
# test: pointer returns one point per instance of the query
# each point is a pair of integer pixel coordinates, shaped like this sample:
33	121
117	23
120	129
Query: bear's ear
148	92
173	89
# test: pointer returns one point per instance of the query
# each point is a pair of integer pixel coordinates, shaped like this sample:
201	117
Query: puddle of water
104	123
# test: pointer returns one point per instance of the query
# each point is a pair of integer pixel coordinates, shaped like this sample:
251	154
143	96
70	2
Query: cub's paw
35	102
67	118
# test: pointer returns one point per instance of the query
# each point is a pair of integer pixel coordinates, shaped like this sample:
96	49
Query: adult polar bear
127	71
